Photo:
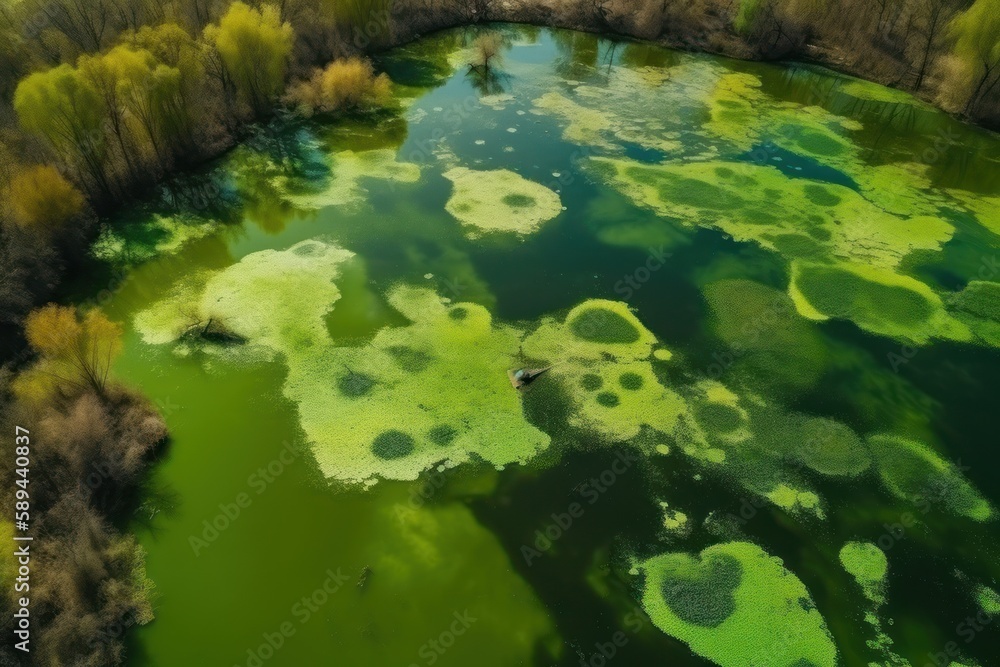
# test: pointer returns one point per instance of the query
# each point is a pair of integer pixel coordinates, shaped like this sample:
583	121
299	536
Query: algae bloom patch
499	201
736	605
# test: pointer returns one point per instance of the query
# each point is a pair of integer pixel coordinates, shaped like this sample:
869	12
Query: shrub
42	199
344	85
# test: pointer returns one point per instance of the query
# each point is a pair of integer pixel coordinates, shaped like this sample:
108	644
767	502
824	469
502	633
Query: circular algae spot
392	445
591	381
458	313
701	592
631	381
608	399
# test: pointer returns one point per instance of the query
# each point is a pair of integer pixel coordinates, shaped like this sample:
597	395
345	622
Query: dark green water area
770	295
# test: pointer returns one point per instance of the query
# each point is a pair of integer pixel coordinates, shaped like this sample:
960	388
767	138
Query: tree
42	200
103	73
75	353
977	46
934	15
62	106
254	46
486	48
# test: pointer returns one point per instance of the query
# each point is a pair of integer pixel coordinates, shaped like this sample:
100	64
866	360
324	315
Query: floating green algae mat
736	605
500	201
768	299
868	565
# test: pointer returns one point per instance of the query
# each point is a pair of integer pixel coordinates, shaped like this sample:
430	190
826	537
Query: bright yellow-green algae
989	600
797	218
151	237
868	565
795	501
986	208
584	126
602	355
736	605
617	111
433	391
866	90
745	116
500	201
675	521
900	188
730	104
912	471
348	170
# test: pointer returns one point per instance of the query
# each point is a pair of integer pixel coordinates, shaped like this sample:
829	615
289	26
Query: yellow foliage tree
254	46
75	352
63	106
42	200
976	35
344	85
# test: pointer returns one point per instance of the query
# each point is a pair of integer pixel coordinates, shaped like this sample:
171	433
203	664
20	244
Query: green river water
771	296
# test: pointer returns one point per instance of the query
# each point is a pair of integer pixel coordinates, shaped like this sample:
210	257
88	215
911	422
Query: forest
100	100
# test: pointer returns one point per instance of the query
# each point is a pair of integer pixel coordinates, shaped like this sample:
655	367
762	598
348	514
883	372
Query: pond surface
769	296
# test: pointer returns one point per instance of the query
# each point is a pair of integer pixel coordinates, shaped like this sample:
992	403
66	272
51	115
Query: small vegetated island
267	269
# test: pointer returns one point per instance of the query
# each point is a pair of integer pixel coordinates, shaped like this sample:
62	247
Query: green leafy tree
976	32
62	106
254	46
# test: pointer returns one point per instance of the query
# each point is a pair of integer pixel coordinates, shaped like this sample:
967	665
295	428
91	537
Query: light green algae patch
601	355
796	218
877	300
730	104
584	126
736	605
605	116
900	188
151	237
912	471
868	565
500	201
988	599
348	171
866	90
418	395
674	521
433	391
985	208
795	501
